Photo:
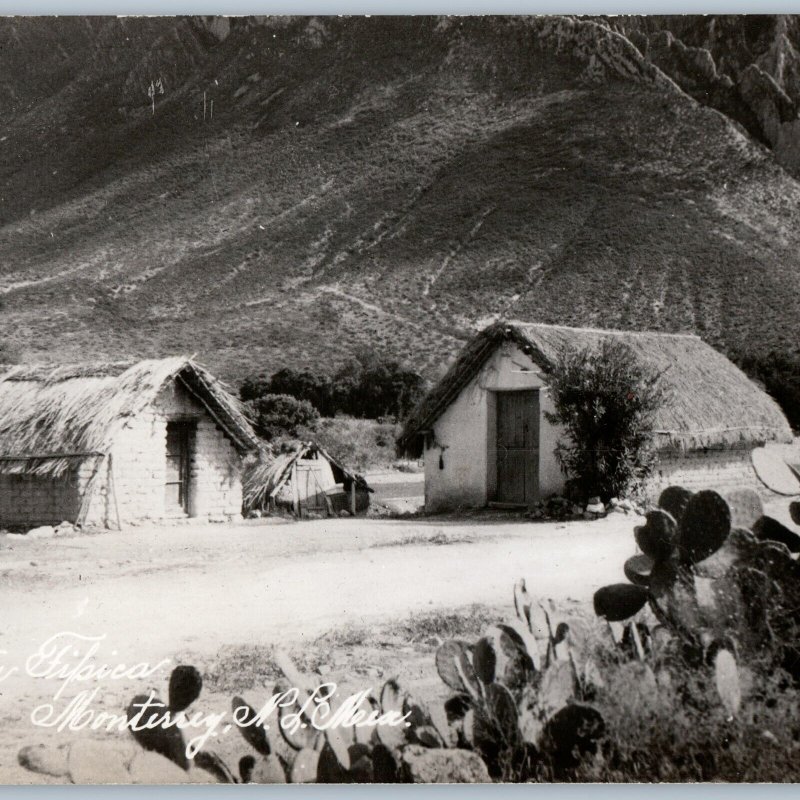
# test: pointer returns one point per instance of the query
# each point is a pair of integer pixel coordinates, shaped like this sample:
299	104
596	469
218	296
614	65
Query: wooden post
295	491
114	489
353	497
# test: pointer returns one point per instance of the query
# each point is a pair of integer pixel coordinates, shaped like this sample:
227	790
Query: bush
305	385
275	415
366	388
606	400
361	444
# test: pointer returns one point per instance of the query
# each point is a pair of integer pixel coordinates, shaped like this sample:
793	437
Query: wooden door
180	440
517	447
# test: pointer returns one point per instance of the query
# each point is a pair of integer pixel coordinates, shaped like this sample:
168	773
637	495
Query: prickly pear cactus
520	699
715	569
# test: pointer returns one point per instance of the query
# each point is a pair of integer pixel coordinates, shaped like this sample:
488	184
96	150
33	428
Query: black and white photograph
399	399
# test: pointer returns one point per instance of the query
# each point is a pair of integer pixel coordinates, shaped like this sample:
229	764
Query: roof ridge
587	329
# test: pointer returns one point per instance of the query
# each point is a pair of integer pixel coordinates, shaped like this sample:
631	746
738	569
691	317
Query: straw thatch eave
711	402
54	416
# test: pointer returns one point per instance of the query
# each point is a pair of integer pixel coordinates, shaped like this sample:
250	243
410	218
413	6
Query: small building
305	479
104	444
486	439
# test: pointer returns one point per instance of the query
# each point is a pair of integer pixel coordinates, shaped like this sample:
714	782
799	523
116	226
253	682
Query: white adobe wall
464	433
138	460
216	474
709	469
463	430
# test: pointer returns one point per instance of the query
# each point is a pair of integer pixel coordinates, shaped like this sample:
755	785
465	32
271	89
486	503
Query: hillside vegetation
307	187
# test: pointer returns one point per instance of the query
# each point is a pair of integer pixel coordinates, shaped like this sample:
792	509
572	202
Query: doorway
517	442
180	446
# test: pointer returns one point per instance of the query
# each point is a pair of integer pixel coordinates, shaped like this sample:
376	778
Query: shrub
606	400
360	443
254	386
304	384
274	415
372	388
367	388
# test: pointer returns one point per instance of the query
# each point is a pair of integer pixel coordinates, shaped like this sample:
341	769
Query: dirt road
153	593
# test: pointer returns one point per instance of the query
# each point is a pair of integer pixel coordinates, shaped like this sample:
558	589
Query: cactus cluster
520	697
349	754
720	578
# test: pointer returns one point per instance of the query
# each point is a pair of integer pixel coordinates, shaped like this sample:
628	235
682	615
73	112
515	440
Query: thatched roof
263	480
711	402
53	415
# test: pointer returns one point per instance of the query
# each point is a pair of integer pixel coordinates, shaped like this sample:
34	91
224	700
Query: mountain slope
379	182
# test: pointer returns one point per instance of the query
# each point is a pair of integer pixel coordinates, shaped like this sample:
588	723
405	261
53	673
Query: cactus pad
447	657
656	538
514	664
392	697
484	660
166	740
619	601
769	529
638	569
254	734
214	765
304	766
705	525
663	577
185	684
674	500
246	766
746	507
503	709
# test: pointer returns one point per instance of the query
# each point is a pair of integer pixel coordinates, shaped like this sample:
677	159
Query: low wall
704	469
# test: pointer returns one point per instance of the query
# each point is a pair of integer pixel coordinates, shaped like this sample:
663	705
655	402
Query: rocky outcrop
748	68
601	46
439	765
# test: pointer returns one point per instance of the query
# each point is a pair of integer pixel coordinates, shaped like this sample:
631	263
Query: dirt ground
221	596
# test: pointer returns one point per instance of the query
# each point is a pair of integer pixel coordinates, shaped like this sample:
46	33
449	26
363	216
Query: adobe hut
305	479
103	444
486	439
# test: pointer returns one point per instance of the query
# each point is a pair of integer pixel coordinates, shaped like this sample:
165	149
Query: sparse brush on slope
463	169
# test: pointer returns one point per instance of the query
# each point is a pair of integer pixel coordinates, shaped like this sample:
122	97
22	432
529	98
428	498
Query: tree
366	387
304	385
254	386
606	402
276	415
299	383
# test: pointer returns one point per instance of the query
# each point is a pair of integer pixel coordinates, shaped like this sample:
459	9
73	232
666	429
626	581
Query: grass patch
245	667
438	538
